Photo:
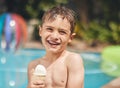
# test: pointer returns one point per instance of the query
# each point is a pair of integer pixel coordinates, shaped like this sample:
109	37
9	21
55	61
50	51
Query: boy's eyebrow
63	30
58	28
46	25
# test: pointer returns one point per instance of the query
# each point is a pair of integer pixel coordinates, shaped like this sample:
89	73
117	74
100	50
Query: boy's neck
51	57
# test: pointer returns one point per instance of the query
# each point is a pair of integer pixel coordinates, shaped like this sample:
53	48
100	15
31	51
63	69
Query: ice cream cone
40	72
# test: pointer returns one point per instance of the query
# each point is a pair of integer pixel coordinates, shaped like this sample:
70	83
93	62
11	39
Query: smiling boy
64	68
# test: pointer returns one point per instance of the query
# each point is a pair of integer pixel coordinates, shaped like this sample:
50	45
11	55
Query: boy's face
56	34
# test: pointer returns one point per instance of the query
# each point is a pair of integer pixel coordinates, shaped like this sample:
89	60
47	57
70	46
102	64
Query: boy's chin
54	50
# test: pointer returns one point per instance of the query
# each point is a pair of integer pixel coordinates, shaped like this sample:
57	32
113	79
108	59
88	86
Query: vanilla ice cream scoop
40	70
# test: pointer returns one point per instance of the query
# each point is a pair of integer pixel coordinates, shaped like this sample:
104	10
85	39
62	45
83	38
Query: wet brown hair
64	12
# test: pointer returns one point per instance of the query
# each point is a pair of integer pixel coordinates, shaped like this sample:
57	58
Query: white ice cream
40	70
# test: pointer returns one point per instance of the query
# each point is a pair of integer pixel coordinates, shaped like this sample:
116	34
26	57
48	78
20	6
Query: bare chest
56	76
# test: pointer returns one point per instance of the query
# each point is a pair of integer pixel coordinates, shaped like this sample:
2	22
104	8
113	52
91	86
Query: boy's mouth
53	43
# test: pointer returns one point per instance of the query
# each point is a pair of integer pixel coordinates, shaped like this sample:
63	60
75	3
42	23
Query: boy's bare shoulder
73	55
74	58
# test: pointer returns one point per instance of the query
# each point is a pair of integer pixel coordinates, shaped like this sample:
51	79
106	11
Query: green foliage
45	4
115	28
34	8
78	30
96	32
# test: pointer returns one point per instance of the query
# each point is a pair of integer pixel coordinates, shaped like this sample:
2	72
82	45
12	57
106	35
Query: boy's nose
55	35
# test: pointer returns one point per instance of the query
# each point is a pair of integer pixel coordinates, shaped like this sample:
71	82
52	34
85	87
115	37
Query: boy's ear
71	37
40	30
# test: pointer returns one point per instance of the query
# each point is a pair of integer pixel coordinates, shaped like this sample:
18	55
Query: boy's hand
36	82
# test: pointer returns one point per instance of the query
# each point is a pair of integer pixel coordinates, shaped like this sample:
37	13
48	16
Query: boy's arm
75	72
29	71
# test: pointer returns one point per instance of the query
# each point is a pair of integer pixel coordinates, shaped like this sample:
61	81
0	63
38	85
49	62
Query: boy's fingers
39	83
37	86
32	71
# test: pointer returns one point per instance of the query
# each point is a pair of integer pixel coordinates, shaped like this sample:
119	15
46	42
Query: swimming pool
13	68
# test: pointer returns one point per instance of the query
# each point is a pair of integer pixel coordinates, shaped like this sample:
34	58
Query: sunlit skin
55	35
64	68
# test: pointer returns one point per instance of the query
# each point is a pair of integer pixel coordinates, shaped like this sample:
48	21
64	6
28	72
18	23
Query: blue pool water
13	68
94	77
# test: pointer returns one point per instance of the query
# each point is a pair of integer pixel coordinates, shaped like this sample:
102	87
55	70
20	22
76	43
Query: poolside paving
113	84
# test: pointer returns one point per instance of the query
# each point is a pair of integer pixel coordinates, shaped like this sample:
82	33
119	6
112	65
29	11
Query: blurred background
97	38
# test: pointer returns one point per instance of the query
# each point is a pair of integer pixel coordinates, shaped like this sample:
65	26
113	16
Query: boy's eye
62	32
49	29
